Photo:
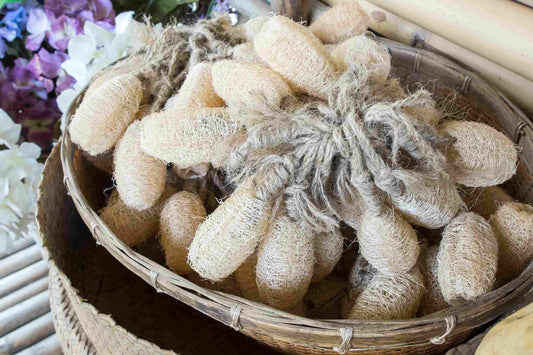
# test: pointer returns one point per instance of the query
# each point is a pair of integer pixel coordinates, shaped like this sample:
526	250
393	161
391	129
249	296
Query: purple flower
65	7
47	64
103	11
64	81
3	48
221	7
38	25
62	29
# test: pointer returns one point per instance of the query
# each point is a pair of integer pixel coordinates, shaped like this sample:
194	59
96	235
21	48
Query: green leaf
163	7
3	2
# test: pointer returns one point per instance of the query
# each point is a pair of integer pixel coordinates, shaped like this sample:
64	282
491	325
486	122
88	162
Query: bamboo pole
19	260
47	346
27	335
22	313
23	277
18	245
294	9
24	293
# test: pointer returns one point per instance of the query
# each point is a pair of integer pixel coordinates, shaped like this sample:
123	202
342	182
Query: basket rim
255	318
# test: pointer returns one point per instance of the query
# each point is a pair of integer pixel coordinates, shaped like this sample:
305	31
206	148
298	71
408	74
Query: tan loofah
359	277
252	27
102	117
130	225
433	301
328	248
388	242
366	52
180	217
351	212
197	90
192	172
340	22
140	178
258	86
230	234
190	136
513	226
228	285
467	258
330	48
480	155
288	48
485	201
429	204
245	276
285	264
245	52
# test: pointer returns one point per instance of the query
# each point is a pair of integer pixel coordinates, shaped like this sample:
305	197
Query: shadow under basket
293	334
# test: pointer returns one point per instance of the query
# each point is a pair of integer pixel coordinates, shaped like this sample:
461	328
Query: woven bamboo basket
292	334
99	307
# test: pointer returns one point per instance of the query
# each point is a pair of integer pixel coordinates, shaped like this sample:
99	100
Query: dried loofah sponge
513	226
341	22
245	276
189	136
367	52
197	90
258	86
245	52
388	242
328	247
467	258
102	117
230	234
140	178
433	301
180	217
485	201
297	55
252	27
285	264
480	155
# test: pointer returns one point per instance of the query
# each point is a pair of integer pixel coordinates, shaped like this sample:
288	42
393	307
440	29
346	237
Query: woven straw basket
292	334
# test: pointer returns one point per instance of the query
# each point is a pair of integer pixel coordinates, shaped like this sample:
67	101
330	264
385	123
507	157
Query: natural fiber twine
252	27
287	47
245	277
340	22
366	52
285	262
433	301
328	247
485	201
140	178
467	258
102	117
388	242
196	91
181	215
513	226
230	234
351	211
479	155
245	52
257	85
189	137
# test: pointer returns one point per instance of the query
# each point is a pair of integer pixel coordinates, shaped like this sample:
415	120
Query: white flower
9	130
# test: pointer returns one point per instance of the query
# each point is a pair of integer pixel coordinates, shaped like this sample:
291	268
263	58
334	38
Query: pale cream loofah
433	301
328	248
180	217
485	201
139	177
467	258
252	27
246	279
245	52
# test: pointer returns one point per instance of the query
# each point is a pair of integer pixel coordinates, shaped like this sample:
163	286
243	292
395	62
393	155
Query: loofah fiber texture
285	262
513	226
181	215
230	234
245	52
297	55
246	279
480	155
102	117
485	201
252	27
433	301
467	258
328	247
340	22
140	178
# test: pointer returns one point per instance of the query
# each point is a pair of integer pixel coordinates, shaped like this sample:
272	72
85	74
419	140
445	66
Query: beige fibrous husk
196	91
285	262
366	52
351	211
379	235
340	22
245	277
102	117
245	52
467	258
430	204
252	27
181	215
258	85
513	226
433	301
328	247
139	177
479	155
230	234
189	136
485	201
192	172
287	47
330	47
359	277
